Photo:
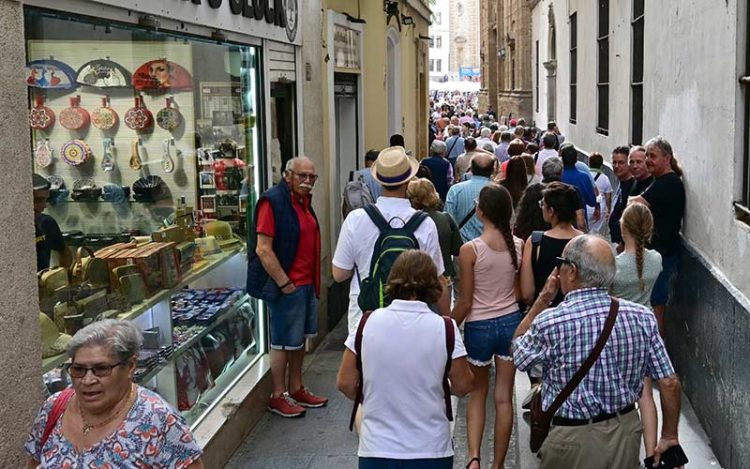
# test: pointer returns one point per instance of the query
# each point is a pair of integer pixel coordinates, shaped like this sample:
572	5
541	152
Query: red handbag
75	117
139	118
40	116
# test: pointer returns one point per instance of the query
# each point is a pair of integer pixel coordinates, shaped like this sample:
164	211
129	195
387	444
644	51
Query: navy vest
285	242
438	167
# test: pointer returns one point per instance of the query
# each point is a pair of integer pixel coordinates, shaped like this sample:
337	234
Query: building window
743	213
512	71
602	76
439	65
573	67
439	42
437	18
432	65
536	85
432	42
636	83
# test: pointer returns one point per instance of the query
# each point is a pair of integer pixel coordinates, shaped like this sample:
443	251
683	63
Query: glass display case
148	141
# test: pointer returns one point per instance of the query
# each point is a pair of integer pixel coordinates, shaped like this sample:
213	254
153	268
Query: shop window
573	68
636	83
156	140
602	81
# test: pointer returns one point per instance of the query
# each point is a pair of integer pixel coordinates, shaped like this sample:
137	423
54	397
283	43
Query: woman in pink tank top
488	305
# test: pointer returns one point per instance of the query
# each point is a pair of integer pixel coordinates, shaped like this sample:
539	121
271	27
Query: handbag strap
58	408
467	217
593	356
450	342
358	352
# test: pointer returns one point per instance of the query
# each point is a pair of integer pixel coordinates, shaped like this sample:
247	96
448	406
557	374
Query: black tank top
546	260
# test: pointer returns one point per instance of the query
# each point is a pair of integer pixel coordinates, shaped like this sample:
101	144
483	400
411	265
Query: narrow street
321	440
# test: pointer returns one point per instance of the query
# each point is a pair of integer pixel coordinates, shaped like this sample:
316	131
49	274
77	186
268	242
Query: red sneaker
285	406
307	399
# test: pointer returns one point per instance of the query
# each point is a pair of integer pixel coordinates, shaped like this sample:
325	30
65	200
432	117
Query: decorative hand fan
102	73
51	74
162	74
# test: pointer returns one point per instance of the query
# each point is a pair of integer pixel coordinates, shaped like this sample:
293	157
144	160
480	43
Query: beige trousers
612	444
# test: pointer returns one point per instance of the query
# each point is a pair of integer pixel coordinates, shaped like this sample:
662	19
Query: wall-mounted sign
345	48
277	20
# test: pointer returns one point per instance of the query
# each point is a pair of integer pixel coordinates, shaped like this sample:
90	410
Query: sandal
472	460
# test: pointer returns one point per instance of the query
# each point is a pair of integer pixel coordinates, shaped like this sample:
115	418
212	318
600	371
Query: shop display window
150	143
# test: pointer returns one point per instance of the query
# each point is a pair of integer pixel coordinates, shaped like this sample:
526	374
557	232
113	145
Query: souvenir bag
90	269
108	161
51	280
135	157
75	117
40	116
169	118
138	117
104	118
75	152
43	153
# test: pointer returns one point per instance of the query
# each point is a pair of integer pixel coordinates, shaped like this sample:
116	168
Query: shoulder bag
541	419
58	408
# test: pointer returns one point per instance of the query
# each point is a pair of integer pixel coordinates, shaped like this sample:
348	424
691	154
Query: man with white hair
596	424
441	171
485	135
284	271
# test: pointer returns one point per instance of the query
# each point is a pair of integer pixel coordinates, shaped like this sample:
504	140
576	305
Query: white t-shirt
544	154
357	242
403	361
605	187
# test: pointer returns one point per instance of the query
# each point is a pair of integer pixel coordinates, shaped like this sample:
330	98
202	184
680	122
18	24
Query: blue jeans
383	463
293	317
660	293
489	337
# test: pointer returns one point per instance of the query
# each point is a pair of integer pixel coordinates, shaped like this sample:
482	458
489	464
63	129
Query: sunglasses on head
564	260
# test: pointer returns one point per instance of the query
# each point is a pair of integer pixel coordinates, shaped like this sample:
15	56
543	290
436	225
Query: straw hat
394	167
53	342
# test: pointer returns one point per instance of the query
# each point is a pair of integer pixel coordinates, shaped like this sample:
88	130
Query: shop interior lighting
390	8
219	36
407	20
149	21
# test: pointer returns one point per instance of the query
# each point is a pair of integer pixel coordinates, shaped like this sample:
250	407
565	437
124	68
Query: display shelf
214	261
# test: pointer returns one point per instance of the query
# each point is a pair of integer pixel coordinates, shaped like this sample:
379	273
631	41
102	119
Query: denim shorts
660	293
489	337
293	317
384	463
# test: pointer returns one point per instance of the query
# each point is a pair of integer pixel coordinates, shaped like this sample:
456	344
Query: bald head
594	260
482	164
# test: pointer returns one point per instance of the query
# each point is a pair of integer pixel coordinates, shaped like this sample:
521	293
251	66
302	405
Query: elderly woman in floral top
105	420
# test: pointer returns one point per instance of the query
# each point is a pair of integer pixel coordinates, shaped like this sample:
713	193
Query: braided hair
496	204
638	221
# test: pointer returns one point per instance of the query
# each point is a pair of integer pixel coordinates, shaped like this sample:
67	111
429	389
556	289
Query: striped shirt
561	338
460	201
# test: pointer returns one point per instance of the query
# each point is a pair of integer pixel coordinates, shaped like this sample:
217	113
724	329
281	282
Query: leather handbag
52	280
133	288
541	419
91	269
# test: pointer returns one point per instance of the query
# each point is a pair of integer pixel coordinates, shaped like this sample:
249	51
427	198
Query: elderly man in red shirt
284	271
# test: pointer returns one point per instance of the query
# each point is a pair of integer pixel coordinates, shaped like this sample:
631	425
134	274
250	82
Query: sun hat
222	231
394	167
53	342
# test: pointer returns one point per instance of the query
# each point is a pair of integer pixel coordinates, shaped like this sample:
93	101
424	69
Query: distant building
464	37
439	42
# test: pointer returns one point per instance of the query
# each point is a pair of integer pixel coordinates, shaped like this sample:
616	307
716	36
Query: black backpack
390	244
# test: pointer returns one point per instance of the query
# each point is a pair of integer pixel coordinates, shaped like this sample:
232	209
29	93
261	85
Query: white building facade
439	41
617	72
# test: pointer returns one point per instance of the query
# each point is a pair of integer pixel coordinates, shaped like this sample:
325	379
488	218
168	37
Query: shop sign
346	48
277	20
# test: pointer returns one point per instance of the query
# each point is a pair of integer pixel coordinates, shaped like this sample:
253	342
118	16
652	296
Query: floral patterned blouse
152	435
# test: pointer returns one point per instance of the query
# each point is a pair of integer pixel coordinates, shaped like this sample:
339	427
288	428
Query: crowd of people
500	248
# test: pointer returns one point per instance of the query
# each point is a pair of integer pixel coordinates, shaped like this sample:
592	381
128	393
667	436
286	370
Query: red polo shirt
305	268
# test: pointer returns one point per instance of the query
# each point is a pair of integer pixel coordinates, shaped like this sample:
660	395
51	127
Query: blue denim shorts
660	293
293	317
489	337
383	463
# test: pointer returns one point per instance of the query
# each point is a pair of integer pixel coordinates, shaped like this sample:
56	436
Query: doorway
283	145
347	137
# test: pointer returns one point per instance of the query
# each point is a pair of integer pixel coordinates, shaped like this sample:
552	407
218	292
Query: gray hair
123	338
636	148
485	132
487	146
438	148
552	168
592	271
662	144
503	128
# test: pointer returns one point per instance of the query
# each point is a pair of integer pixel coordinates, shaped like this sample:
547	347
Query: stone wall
20	348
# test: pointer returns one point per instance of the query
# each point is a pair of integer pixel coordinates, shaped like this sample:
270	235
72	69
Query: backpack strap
358	352
377	217
415	220
58	408
596	178
467	217
536	241
450	342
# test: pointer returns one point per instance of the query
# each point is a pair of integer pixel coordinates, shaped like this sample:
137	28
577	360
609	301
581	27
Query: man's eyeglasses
306	176
564	260
100	371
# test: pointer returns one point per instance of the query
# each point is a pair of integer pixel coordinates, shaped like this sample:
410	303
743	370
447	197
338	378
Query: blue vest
285	242
438	167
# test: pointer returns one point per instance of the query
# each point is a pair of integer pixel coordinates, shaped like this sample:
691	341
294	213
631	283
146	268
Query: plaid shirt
561	338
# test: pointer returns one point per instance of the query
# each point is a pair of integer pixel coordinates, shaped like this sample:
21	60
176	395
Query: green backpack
390	244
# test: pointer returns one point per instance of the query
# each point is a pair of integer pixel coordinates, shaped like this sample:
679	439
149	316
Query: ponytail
675	164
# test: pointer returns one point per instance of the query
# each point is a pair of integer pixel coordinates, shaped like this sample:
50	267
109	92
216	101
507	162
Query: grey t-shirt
626	284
